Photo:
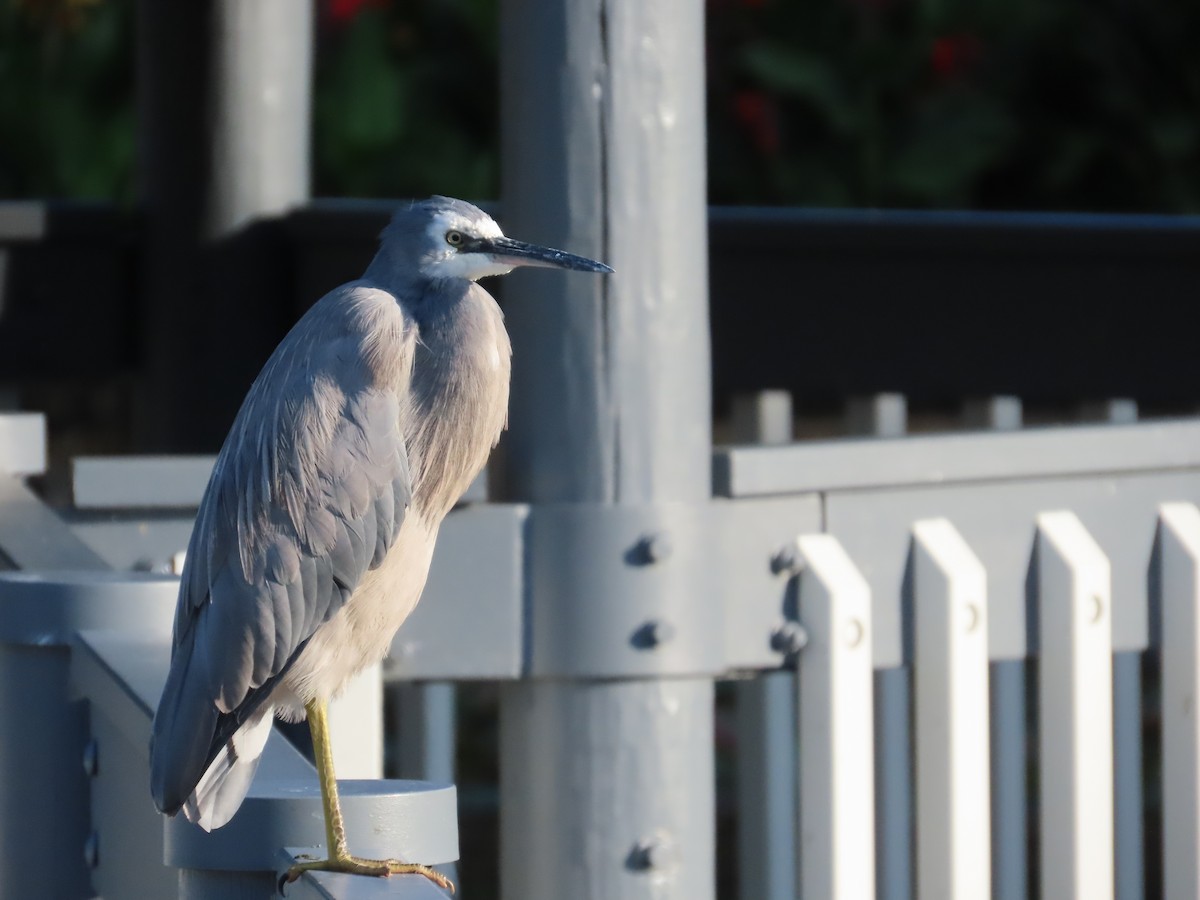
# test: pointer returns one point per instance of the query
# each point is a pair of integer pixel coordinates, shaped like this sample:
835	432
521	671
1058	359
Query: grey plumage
313	539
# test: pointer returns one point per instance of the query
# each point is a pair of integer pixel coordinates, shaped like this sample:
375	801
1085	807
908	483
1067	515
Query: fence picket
1176	573
1075	710
950	723
834	709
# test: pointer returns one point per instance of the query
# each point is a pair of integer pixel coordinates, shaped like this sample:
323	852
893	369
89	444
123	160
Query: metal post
886	416
50	844
1006	689
1010	781
607	785
224	95
766	719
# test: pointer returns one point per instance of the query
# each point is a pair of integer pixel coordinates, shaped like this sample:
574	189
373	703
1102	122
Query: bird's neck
460	383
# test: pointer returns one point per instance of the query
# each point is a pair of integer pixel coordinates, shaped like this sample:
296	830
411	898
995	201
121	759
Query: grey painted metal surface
121	675
1073	599
114	673
638	580
1129	811
1176	576
894	807
44	812
33	537
468	623
954	458
999	413
603	147
261	123
22	441
766	712
424	715
878	415
139	482
140	542
1010	781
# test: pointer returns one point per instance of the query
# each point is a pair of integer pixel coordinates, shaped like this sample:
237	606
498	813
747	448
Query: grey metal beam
33	537
22	441
45	816
607	785
954	458
140	482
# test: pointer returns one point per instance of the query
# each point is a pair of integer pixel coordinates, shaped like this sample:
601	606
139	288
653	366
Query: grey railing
907	582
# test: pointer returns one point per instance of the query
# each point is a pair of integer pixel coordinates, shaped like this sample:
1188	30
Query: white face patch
447	262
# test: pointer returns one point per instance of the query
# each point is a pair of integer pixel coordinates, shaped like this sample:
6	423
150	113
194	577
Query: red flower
952	55
755	112
341	12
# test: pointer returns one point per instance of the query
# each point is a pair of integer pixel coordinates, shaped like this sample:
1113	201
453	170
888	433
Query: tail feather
182	736
220	791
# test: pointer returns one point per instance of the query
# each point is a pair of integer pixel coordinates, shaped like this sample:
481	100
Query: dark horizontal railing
1055	308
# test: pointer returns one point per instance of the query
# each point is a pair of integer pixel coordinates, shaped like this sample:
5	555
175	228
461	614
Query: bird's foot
355	865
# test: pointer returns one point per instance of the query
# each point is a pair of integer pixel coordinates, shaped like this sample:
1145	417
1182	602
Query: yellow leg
340	859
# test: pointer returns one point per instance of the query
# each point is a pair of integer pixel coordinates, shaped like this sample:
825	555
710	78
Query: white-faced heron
313	540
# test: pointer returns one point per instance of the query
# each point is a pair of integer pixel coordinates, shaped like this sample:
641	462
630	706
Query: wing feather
308	493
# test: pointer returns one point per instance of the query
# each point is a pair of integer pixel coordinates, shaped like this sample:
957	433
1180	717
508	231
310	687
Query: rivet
1097	607
91	850
789	638
786	561
971	611
91	758
654	853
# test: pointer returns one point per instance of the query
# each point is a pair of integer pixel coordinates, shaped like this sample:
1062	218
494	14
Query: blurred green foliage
995	104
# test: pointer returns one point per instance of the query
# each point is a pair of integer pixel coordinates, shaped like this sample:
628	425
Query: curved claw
354	865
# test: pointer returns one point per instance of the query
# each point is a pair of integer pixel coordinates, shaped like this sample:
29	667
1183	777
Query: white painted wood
834	709
1177	575
950	681
1075	710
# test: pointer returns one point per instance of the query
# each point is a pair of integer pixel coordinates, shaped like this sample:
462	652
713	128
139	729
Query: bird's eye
454	238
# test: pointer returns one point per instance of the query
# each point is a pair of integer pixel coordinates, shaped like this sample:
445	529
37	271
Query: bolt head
654	854
91	758
786	561
789	638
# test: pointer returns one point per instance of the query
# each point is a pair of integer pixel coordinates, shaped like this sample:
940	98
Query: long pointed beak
508	252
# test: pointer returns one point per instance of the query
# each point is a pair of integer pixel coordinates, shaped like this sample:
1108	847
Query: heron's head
447	238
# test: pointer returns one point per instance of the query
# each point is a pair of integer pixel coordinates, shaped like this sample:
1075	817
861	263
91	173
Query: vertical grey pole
886	416
766	719
1010	784
424	714
1129	818
1127	761
607	786
224	92
1007	736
